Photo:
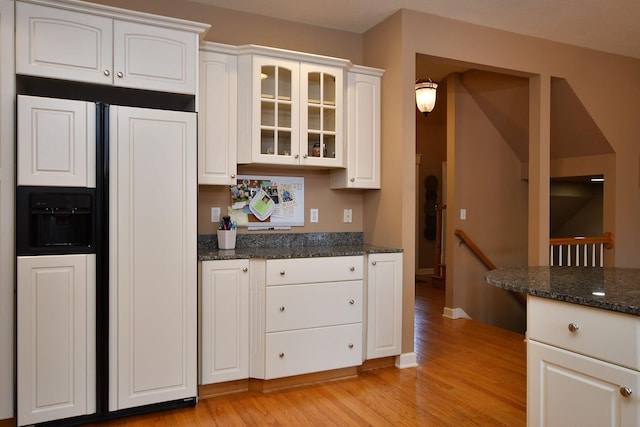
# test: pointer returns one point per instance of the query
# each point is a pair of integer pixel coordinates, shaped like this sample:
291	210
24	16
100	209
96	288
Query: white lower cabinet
582	366
384	305
56	337
224	324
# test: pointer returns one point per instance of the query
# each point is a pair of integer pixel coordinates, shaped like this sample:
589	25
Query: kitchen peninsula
583	343
284	305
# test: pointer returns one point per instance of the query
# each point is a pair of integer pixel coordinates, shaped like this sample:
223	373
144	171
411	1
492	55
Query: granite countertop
615	289
289	245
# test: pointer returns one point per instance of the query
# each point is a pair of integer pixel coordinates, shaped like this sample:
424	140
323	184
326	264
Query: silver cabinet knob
352	268
245	269
233	175
373	263
107	72
305	155
281	355
626	391
296	156
282	272
119	74
352	179
282	308
573	327
351	301
350	345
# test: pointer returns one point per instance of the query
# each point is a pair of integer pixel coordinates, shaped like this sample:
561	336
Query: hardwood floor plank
468	374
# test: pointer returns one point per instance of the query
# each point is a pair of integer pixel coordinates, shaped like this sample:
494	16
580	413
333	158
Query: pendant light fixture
426	95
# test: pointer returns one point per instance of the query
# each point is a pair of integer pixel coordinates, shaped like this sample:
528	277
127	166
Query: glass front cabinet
295	115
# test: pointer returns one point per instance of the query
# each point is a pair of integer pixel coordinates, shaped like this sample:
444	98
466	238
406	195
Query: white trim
455	313
406	360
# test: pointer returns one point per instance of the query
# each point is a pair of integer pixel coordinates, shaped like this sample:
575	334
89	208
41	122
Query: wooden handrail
486	261
606	239
475	249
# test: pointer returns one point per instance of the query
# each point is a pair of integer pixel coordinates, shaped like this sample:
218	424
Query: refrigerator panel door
152	257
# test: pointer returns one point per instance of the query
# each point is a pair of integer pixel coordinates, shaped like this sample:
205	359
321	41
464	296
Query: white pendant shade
426	95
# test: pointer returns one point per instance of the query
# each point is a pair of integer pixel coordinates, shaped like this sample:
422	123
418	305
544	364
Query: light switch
215	214
463	214
314	215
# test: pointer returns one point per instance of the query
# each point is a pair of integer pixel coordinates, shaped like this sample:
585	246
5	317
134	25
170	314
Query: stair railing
579	251
486	261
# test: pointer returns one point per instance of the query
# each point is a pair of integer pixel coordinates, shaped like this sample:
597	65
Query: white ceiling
606	25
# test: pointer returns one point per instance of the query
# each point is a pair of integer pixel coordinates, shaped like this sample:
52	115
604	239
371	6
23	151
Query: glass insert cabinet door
278	109
321	121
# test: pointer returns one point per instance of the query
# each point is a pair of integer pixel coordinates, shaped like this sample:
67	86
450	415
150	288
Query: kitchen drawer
313	305
602	334
313	350
314	270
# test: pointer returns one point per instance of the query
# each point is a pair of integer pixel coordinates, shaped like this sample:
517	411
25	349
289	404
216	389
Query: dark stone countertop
288	245
615	289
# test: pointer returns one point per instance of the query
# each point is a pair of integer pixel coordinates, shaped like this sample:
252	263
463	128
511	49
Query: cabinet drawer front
314	270
602	334
313	350
313	305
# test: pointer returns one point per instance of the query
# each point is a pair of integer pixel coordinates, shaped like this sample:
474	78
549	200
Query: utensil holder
226	239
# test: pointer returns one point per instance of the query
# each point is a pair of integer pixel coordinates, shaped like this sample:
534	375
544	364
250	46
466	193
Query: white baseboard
455	313
406	360
424	271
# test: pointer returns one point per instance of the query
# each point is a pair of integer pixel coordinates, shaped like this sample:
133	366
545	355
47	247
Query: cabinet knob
245	269
373	263
296	156
107	72
304	156
282	272
351	301
350	345
282	308
233	175
573	327
626	391
119	74
281	355
352	268
352	179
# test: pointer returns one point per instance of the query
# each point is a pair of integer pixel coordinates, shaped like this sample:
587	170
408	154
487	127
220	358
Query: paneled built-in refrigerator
106	243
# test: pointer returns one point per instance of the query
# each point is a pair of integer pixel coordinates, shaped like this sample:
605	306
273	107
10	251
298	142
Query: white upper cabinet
363	131
291	108
89	43
218	117
56	142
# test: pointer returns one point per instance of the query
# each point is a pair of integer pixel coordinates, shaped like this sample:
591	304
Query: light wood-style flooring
469	374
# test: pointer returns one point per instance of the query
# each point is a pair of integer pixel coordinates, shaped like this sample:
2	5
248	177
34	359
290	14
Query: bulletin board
267	202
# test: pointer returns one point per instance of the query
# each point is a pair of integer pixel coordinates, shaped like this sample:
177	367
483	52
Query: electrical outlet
463	214
313	215
348	216
215	214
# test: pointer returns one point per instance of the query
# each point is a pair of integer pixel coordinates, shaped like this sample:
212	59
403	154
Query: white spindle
601	254
560	255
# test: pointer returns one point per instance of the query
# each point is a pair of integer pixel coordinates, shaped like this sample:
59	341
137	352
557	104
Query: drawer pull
351	302
351	346
107	72
120	74
626	391
281	355
373	263
282	272
573	327
282	308
245	269
352	268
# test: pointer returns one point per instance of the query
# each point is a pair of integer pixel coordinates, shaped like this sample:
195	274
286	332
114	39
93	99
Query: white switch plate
215	214
463	214
348	216
313	215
